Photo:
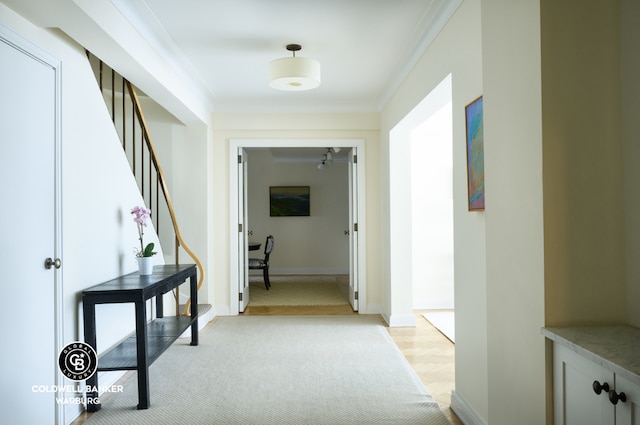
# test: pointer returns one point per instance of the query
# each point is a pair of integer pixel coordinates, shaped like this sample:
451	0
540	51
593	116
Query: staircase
123	103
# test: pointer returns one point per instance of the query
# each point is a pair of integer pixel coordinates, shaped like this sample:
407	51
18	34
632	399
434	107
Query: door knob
614	397
49	262
598	388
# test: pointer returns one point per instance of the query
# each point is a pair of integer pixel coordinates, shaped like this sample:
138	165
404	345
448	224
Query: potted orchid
145	254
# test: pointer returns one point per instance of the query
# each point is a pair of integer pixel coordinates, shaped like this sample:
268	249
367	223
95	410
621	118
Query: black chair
259	263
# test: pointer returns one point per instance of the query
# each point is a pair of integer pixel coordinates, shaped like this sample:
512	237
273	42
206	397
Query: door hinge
239	227
239	159
355	295
355	159
355	227
239	296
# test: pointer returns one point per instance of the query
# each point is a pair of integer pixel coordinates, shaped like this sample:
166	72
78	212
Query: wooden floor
429	352
432	356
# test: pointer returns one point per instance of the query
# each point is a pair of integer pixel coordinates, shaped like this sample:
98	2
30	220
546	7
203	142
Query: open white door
243	265
353	231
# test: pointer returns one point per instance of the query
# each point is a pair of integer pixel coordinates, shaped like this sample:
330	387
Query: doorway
354	228
422	207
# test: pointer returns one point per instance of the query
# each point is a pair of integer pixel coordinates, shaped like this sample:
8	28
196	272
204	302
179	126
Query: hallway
428	351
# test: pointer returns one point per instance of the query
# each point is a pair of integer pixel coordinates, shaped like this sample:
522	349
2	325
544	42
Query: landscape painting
287	201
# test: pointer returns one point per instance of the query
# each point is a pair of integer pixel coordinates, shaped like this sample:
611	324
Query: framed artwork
287	201
475	155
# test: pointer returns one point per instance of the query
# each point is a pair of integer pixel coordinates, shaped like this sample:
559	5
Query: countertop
617	348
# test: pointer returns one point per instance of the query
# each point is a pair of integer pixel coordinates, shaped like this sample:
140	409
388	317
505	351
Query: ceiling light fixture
294	74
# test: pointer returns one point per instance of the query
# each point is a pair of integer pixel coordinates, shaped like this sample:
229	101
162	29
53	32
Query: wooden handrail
146	188
163	185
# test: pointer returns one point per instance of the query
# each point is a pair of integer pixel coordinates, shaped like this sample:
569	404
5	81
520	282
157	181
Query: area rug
299	290
262	370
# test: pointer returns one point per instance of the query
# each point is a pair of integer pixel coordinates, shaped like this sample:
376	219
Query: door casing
235	192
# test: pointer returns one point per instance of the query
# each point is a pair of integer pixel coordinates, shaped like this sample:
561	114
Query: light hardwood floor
430	354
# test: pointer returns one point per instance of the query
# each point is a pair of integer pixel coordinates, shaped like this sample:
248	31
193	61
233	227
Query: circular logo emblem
78	361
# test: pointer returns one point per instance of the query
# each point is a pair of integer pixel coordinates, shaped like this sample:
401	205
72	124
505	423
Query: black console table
150	339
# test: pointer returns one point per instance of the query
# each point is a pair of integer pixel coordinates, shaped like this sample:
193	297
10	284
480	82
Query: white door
29	189
353	231
243	264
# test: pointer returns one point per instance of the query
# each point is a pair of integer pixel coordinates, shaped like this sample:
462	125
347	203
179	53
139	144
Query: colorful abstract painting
475	154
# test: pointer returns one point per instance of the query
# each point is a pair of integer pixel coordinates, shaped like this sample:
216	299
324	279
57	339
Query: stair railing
129	120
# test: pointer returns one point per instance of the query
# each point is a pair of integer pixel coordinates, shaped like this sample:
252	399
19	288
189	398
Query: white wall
304	245
118	41
432	209
456	51
98	192
514	211
183	154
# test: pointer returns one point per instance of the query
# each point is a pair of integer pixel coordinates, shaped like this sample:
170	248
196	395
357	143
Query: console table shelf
161	333
151	338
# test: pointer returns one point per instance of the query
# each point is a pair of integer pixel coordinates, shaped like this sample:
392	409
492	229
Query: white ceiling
365	47
222	48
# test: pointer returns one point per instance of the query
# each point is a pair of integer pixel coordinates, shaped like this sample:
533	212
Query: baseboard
464	411
304	271
203	320
400	320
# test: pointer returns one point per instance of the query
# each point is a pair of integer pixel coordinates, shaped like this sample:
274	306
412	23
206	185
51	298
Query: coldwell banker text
73	394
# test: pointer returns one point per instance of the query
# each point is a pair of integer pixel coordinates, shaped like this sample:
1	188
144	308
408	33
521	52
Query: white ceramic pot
145	265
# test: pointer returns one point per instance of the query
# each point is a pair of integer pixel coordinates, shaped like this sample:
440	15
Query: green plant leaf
148	251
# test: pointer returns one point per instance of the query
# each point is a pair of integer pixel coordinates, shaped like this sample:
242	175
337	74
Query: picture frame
474	116
289	201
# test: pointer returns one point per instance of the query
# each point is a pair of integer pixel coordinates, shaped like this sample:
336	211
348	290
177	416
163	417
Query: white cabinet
596	377
575	400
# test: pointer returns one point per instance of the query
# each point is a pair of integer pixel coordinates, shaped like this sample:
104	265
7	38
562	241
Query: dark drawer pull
614	397
598	388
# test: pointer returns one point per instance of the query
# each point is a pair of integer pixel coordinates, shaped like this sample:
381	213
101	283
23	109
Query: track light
327	159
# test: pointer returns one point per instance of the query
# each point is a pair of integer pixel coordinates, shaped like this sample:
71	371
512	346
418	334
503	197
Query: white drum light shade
294	73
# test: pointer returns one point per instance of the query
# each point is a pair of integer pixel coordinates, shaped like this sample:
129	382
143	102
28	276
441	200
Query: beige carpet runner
297	370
